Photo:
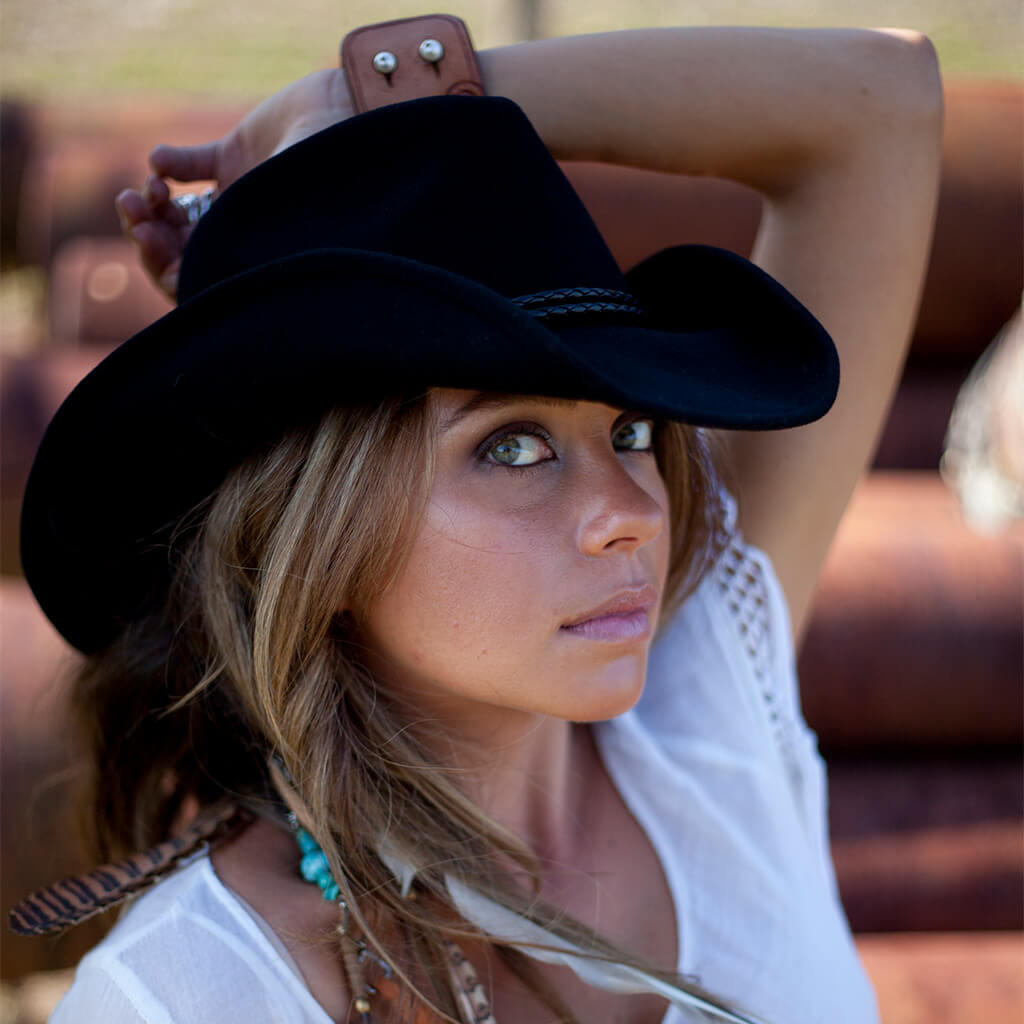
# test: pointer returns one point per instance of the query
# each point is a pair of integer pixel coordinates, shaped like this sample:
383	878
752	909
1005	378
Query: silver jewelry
194	206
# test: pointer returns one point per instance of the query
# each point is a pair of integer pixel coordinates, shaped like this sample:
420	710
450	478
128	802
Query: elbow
908	80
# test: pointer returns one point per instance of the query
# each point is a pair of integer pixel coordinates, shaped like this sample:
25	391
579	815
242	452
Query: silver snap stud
385	62
431	51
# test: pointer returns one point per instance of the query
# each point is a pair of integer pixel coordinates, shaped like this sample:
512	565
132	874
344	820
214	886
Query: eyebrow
493	400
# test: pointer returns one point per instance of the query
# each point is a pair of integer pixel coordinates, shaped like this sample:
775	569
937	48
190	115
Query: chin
609	693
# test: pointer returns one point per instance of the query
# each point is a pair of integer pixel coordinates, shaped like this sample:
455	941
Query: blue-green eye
519	450
635	436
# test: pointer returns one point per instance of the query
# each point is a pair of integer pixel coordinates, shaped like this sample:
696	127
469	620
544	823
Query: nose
619	515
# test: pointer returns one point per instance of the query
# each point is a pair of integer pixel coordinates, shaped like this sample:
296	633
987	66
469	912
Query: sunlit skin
540	512
473	632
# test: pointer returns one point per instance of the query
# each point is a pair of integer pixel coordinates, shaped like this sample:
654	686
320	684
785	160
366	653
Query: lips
625	616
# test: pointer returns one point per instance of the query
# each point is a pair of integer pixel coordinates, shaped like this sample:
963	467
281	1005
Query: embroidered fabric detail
739	576
742	585
563	303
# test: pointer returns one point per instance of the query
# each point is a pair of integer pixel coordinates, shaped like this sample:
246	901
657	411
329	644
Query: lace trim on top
740	577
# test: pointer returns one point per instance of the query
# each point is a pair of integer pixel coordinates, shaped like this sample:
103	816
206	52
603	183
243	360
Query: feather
66	903
403	871
512	929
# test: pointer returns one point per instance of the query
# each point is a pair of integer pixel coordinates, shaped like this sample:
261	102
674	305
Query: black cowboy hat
431	243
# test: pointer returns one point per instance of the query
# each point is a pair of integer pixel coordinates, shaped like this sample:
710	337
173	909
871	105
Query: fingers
160	247
186	163
168	280
159	229
132	209
152	201
156	193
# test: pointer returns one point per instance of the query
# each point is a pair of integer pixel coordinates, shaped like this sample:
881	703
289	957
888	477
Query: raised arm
838	129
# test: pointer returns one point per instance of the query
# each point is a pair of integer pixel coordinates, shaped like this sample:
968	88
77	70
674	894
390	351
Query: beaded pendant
316	869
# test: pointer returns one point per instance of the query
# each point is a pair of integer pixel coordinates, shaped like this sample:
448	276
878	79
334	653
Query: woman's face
535	577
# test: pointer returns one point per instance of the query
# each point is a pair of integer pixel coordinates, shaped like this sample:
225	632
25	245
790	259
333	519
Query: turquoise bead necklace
314	866
316	869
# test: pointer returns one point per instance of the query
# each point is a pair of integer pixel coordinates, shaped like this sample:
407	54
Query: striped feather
66	903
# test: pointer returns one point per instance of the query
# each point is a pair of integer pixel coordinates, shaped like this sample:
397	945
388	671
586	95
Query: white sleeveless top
717	766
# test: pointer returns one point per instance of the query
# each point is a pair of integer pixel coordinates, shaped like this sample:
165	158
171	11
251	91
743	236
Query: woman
406	508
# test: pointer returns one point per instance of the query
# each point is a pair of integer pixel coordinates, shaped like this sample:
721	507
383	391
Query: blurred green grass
54	49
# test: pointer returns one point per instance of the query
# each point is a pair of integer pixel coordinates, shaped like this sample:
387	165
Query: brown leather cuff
409	58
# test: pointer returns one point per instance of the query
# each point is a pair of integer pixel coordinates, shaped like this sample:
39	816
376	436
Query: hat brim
159	423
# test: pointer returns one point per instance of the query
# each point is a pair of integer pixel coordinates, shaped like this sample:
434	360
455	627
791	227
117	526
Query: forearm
766	107
840	130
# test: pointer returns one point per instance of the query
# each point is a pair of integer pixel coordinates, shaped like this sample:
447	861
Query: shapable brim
159	423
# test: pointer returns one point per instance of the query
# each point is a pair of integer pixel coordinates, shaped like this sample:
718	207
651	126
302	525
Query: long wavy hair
248	663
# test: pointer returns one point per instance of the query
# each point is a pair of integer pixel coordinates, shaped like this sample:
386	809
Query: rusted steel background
912	665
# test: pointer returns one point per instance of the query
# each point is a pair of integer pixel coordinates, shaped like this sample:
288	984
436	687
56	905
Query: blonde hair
249	658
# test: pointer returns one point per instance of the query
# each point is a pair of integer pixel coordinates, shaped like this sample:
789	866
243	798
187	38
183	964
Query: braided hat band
565	304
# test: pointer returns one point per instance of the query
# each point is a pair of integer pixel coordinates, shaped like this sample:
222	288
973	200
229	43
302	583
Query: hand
160	229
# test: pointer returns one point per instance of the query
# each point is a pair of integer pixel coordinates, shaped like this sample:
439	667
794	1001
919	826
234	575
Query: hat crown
460	183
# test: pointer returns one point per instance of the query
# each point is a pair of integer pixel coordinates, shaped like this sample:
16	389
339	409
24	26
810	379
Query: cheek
655	554
469	596
476	609
662	545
